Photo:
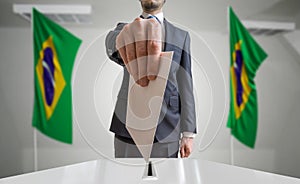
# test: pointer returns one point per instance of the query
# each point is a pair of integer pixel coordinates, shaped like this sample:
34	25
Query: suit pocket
174	101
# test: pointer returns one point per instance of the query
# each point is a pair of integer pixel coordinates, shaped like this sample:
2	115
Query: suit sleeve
110	44
185	87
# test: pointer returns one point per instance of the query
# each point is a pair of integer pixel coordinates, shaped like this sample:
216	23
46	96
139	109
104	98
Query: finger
153	62
153	49
121	45
182	153
141	52
122	52
142	68
154	29
132	62
127	35
187	151
139	27
120	41
140	37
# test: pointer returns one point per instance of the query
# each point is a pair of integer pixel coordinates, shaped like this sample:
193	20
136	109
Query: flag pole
35	152
231	136
231	151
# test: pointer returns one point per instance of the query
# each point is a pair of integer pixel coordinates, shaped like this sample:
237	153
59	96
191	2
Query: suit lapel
168	33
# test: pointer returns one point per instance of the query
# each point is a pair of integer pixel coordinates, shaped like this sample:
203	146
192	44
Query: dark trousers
125	148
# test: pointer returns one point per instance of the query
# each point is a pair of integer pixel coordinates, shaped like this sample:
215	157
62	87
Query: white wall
277	145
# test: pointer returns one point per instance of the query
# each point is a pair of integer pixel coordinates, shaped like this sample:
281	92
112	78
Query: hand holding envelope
139	44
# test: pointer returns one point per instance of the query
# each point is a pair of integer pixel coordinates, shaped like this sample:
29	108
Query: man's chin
150	8
150	5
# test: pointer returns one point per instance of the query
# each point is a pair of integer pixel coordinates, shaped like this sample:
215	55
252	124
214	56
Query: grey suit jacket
178	110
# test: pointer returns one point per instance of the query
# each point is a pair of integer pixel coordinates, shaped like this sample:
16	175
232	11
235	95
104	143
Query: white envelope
144	106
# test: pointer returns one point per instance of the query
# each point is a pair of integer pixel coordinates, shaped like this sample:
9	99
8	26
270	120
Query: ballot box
167	171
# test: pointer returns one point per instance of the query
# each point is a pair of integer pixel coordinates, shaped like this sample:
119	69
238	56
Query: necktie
150	17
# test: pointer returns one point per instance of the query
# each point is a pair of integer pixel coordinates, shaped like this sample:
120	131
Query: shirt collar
160	16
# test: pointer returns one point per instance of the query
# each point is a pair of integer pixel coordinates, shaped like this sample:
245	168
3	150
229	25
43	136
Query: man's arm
188	115
110	43
185	87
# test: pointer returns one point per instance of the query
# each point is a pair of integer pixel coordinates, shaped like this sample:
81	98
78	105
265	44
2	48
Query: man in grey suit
127	44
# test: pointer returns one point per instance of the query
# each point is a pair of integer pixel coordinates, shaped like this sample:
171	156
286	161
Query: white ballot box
169	171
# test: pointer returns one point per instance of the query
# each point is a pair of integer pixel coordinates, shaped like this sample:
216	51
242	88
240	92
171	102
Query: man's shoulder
175	28
120	25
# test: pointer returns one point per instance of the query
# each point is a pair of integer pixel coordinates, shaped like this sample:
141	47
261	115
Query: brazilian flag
245	58
54	54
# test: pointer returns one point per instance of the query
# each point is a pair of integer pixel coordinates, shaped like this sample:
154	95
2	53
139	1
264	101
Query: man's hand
186	146
139	44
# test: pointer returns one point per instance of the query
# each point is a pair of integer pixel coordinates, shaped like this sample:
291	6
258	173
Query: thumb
182	152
